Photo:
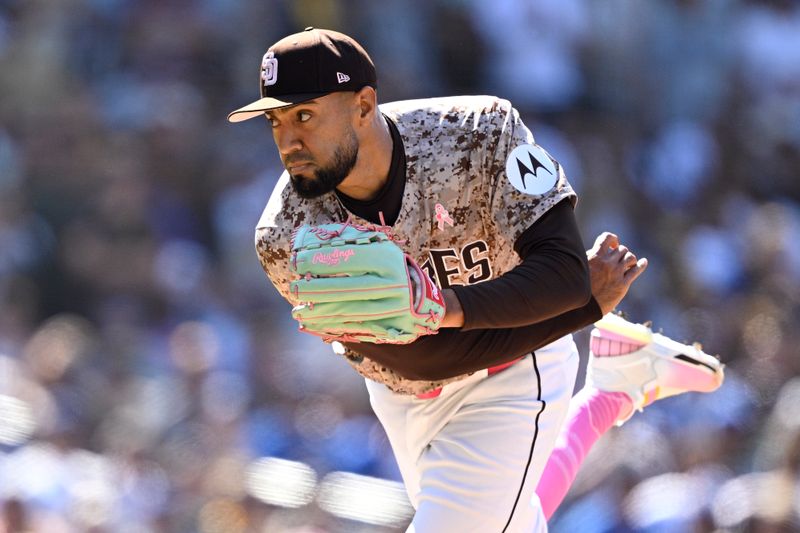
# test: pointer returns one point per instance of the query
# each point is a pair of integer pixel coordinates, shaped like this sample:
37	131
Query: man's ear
367	101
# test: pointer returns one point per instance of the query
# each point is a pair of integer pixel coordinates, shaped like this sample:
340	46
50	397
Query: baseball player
435	244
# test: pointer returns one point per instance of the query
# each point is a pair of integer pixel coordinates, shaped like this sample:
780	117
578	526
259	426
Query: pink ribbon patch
442	216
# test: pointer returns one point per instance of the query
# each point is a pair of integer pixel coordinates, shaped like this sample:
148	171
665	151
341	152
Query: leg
472	457
591	414
635	367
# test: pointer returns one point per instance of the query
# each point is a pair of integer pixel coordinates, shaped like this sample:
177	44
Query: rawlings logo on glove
355	284
332	258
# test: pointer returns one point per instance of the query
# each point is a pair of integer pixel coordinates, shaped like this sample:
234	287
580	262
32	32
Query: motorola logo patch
530	170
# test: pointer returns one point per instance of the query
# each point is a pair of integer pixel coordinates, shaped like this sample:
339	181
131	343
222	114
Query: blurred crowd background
152	380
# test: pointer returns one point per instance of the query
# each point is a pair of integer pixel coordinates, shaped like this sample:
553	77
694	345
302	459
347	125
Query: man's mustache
297	157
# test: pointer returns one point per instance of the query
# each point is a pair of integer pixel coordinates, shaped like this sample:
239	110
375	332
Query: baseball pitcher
433	243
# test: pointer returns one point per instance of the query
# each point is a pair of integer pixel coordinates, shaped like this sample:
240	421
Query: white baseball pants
471	458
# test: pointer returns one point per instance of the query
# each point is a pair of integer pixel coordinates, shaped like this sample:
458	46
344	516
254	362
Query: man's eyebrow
282	110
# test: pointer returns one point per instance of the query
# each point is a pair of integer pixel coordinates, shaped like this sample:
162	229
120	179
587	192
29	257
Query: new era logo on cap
342	78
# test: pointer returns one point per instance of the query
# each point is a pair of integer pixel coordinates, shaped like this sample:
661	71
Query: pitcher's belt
490	371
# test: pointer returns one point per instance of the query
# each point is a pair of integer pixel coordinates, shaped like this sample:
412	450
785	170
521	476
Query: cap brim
258	107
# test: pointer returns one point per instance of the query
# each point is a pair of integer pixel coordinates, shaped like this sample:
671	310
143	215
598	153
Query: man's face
317	142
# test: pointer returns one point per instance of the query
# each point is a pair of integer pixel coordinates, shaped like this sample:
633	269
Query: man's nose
287	140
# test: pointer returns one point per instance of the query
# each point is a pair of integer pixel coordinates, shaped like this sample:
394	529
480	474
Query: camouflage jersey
475	181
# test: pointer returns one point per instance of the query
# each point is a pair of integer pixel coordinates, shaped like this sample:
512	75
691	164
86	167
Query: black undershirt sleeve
452	352
502	323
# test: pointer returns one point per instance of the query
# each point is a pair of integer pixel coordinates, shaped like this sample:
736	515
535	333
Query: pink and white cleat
630	358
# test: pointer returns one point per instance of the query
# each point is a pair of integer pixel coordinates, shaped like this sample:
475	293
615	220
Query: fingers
609	256
634	272
624	256
617	255
606	241
629	260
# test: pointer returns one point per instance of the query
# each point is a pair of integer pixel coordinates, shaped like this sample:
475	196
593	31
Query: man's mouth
295	168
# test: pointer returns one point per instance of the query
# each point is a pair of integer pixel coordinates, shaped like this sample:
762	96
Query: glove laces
328	234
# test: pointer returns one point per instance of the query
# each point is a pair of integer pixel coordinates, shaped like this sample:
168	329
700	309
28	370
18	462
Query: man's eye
303	116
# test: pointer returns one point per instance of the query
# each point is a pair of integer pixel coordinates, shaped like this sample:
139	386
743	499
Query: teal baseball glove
355	284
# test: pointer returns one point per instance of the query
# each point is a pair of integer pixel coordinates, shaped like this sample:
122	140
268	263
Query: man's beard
329	177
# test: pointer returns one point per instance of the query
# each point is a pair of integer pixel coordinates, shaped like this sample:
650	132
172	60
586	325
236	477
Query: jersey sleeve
273	239
522	180
286	211
552	279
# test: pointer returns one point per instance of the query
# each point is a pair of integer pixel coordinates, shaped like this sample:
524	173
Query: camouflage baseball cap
307	65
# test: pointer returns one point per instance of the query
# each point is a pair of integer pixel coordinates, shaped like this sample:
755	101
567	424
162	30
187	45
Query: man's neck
371	170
